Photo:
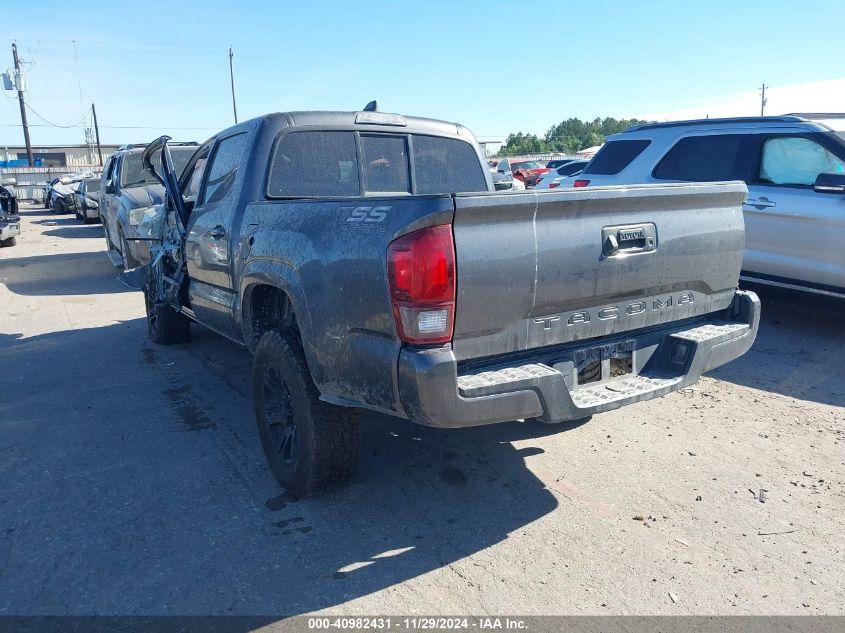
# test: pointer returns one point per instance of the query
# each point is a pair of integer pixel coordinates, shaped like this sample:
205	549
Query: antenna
763	100
372	106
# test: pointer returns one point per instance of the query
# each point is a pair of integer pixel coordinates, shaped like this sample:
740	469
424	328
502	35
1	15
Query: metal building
55	156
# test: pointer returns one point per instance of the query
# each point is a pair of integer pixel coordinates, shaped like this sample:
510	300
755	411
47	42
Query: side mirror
830	183
109	186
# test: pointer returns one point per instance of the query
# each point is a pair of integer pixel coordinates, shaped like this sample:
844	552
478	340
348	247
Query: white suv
795	172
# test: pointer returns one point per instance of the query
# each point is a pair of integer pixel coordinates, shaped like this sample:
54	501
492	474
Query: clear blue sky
496	67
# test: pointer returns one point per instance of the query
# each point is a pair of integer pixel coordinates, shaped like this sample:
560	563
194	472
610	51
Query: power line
51	124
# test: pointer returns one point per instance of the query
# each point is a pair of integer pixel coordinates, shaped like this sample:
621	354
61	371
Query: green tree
518	144
567	137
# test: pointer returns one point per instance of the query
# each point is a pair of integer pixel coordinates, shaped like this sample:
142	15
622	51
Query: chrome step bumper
548	387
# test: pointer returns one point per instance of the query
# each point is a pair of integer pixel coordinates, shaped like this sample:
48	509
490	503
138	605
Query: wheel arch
275	286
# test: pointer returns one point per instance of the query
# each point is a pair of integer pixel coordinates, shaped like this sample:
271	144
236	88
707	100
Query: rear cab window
325	163
446	165
615	156
704	158
385	162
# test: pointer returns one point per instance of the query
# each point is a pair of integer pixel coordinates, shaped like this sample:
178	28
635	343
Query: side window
132	172
192	178
446	165
615	156
224	168
703	159
314	164
385	161
796	161
107	170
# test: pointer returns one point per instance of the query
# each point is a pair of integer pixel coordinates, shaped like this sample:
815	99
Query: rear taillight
552	185
580	183
421	274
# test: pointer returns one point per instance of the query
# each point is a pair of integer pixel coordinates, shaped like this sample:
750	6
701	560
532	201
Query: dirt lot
132	481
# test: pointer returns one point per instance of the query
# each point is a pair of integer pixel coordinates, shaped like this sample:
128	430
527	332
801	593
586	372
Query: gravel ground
132	481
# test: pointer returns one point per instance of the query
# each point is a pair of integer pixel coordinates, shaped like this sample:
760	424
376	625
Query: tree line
567	137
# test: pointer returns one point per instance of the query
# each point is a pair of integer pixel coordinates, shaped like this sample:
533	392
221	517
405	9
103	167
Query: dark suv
126	194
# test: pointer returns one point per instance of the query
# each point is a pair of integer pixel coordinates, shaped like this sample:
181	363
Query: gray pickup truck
367	262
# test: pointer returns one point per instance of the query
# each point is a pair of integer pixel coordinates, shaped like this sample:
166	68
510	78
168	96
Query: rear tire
311	446
165	326
9	241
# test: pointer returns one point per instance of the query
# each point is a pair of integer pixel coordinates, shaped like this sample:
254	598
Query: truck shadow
61	274
77	229
150	468
798	351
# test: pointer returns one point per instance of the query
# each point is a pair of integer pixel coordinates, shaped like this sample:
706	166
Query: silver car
87	200
558	174
795	172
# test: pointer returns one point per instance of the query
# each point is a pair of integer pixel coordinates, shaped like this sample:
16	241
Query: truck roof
365	120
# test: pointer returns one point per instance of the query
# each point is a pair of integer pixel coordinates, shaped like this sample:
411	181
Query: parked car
528	171
795	172
553	179
60	194
126	195
86	198
503	181
367	263
10	221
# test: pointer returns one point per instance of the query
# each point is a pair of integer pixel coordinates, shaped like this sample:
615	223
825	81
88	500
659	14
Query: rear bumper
9	229
436	393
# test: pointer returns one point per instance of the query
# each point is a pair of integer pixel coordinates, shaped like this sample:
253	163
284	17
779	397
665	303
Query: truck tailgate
537	269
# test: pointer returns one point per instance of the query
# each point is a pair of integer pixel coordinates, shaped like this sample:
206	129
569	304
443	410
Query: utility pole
762	98
232	79
19	86
97	133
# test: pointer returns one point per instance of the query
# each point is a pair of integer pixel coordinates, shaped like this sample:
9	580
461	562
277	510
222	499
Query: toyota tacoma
367	262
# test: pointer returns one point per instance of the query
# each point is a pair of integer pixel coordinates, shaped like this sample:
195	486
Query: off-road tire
165	326
327	440
9	241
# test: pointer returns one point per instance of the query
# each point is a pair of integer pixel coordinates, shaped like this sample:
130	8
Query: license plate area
603	362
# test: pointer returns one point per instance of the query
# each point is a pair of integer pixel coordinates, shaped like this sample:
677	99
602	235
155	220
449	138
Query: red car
528	171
